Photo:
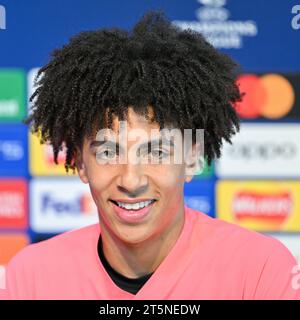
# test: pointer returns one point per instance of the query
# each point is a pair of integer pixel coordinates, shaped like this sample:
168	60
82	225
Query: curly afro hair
185	79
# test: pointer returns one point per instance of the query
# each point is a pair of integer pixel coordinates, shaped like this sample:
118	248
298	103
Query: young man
148	244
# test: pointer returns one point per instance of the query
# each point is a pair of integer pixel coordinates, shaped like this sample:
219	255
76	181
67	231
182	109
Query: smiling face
134	182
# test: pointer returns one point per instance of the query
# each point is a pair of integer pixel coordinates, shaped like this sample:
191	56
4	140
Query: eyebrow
147	144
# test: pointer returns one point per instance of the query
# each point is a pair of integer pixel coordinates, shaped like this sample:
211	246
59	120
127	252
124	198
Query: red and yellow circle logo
270	96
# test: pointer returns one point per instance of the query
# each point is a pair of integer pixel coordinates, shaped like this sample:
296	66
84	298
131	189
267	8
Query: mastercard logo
270	96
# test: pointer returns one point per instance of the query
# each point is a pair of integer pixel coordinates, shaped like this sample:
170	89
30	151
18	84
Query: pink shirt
211	259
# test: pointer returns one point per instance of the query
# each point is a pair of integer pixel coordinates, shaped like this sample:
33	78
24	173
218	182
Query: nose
132	180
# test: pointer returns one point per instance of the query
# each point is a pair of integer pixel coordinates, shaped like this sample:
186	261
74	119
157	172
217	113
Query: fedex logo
59	205
80	205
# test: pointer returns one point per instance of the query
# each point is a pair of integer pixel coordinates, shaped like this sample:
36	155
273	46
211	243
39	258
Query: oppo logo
269	151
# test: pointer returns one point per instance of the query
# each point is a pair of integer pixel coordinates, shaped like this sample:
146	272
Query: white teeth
137	205
134	206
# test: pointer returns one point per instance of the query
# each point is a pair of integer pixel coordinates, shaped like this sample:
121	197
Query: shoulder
49	262
232	238
262	264
57	247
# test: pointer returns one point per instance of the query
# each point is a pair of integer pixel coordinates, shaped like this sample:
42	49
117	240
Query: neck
138	259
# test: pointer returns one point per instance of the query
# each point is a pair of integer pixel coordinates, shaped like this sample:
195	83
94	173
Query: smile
128	213
133	206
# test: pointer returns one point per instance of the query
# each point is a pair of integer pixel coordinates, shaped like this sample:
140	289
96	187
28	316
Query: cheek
99	181
170	181
98	175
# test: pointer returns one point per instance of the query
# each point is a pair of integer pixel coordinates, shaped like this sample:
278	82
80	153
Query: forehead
135	120
135	124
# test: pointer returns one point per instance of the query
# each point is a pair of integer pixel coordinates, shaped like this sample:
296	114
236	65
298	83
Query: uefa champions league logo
212	10
213	3
215	23
2	18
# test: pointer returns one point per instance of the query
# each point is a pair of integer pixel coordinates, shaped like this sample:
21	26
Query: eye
105	154
159	154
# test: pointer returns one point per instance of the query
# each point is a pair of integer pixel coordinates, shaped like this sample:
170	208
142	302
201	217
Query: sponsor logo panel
13	150
218	26
291	241
13	204
10	245
12	95
260	205
269	96
59	205
262	150
199	195
42	159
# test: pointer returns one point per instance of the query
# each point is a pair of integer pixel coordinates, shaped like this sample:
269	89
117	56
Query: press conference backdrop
256	184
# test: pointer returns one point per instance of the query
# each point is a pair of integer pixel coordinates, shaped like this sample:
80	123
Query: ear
80	166
194	162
